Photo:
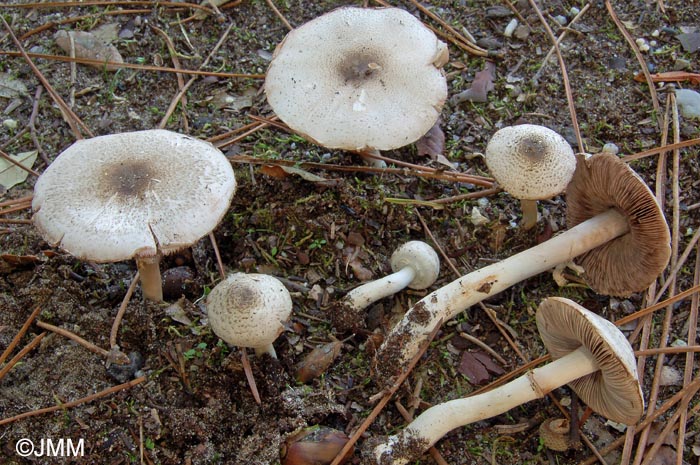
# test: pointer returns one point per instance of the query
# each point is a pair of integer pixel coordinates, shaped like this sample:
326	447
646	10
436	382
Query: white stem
404	340
268	349
149	275
440	419
362	296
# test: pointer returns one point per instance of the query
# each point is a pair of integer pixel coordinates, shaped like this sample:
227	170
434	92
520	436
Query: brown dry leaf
317	361
489	364
87	45
473	369
481	86
432	144
281	172
359	270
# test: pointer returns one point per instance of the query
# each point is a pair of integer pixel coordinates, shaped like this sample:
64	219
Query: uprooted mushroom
414	264
617	231
589	353
359	79
137	195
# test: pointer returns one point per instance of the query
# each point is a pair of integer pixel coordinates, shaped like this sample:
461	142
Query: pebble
611	148
688	103
510	28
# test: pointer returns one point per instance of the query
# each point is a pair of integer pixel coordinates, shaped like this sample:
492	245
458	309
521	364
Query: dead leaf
280	172
473	369
432	144
178	313
359	270
481	86
317	361
89	46
10	174
225	101
11	87
489	364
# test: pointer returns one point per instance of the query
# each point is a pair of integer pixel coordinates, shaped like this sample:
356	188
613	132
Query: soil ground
321	237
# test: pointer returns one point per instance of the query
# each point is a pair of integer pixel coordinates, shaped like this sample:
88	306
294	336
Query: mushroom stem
149	274
366	294
438	420
404	340
529	209
268	349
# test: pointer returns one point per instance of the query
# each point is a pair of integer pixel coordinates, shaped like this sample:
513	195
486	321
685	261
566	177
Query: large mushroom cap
631	262
359	78
111	197
530	162
614	390
247	310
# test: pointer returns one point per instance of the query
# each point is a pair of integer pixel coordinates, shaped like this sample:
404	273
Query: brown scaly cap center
359	67
532	147
127	179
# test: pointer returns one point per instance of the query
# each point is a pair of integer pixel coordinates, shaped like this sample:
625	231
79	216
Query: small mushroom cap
247	310
530	162
629	263
359	78
614	390
422	258
112	197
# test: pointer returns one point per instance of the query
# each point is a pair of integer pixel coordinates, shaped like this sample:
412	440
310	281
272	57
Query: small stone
670	376
689	41
611	148
510	28
10	124
688	103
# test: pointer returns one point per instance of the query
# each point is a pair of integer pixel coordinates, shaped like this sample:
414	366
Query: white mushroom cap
112	197
530	162
247	310
359	78
422	258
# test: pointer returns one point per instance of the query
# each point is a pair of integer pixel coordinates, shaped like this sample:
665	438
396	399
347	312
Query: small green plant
196	351
317	244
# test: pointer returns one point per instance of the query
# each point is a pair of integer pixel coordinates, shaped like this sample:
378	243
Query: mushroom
248	310
589	354
135	195
359	79
414	264
617	229
531	163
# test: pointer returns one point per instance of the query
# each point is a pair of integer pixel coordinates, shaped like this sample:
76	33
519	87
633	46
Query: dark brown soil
320	238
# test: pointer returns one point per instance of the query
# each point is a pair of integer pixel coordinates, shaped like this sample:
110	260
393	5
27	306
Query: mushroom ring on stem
589	353
531	163
248	310
135	195
359	79
617	227
415	264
